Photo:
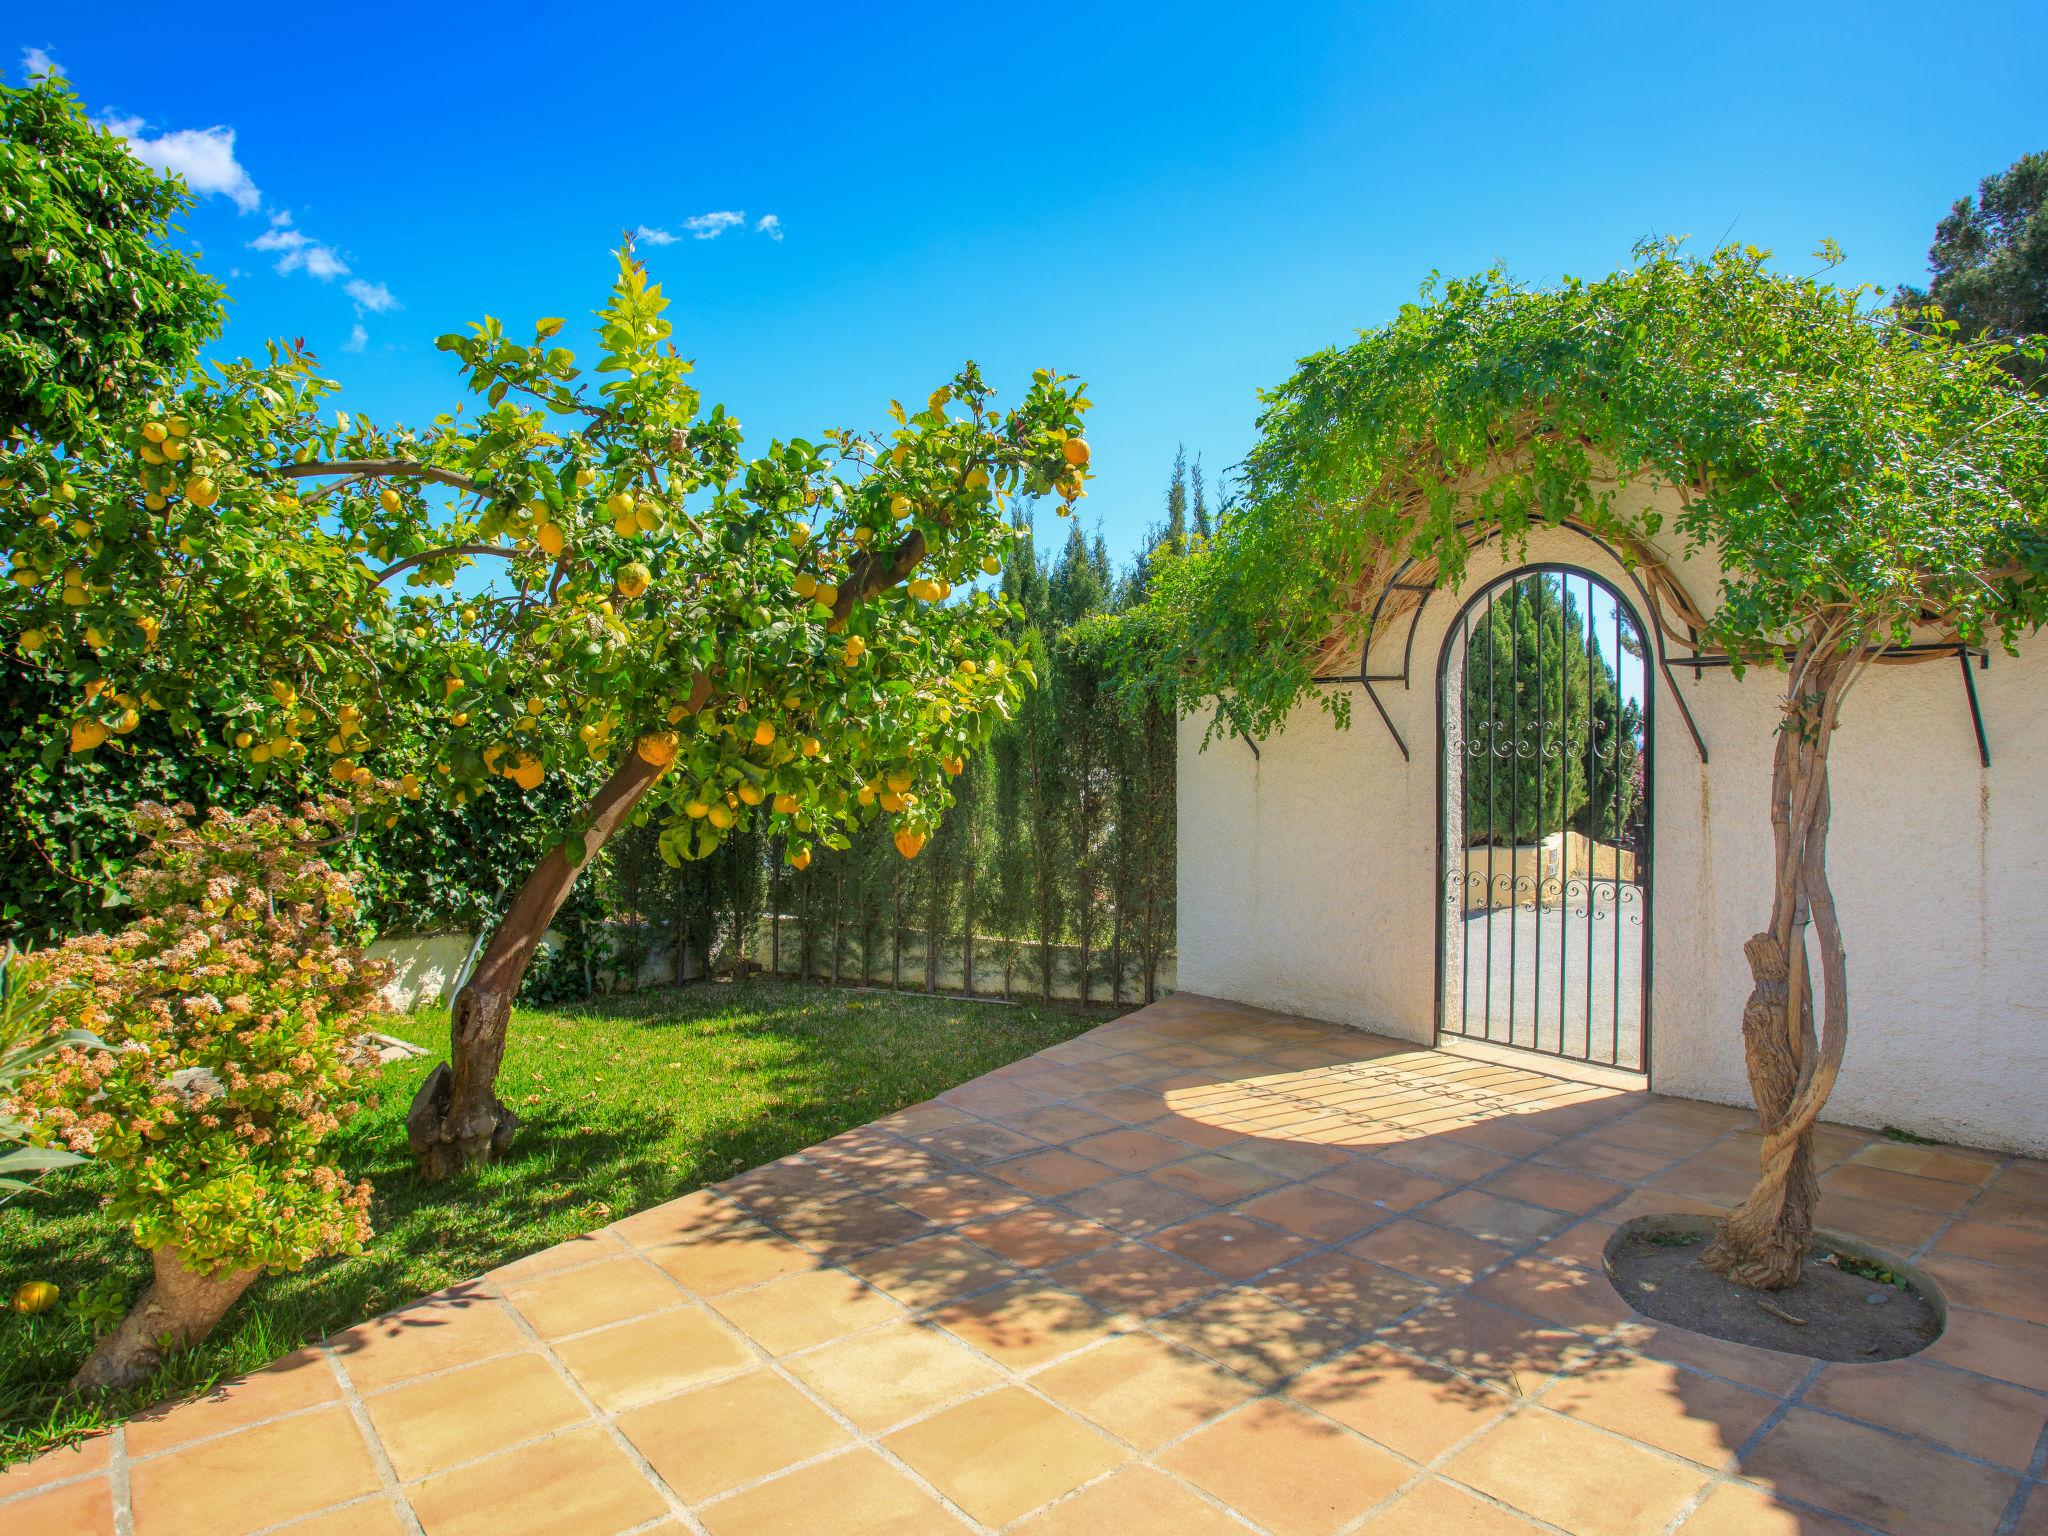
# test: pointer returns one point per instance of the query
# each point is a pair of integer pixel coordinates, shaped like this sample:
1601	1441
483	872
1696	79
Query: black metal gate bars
1544	826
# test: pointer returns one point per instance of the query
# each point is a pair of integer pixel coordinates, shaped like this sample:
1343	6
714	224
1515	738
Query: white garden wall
1308	874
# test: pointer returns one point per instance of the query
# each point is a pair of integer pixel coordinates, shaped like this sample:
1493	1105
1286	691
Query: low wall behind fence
426	967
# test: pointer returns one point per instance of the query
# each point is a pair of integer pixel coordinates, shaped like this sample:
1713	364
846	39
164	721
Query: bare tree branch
397	469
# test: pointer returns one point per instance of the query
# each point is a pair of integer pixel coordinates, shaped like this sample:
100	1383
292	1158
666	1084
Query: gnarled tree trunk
180	1307
456	1118
1792	1066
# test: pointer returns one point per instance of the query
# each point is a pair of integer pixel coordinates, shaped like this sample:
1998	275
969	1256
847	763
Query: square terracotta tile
428	1426
1888	1185
1663	1405
1135	1279
452	1329
932	1269
1002	1455
1038	1235
1444	1159
798	1311
1215	1177
1133	1151
578	1482
881	1378
302	1379
1352	1291
1576	1477
1294	1473
64	1464
1320	1215
1143	1391
1880	1479
1440	1509
1024	1325
736	1431
1999	1347
1495	1219
1986	1419
1407	1405
857	1494
1255	1335
1056	1124
1440	1254
1989	1288
1052	1172
1231	1245
1605	1159
838	1228
978	1142
702	1213
1290	1159
594	1296
84	1508
1191	1129
1558	1293
1561	1191
1134	1502
1133	1205
1900	1227
1768	1370
658	1355
1735	1509
1483	1341
1988	1243
958	1197
605	1243
719	1262
253	1478
1383	1185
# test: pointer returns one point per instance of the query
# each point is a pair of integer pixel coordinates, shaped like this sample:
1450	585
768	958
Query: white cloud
37	61
358	338
299	251
205	157
769	225
374	298
709	226
648	234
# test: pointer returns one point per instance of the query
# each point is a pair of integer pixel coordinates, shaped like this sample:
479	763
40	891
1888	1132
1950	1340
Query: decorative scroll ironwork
1546	688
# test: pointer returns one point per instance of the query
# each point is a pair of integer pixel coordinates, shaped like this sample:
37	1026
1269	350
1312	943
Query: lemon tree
579	566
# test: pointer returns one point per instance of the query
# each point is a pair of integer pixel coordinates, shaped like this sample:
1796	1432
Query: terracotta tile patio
1202	1270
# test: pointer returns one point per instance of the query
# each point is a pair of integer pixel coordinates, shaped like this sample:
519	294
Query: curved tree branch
869	573
506	550
397	469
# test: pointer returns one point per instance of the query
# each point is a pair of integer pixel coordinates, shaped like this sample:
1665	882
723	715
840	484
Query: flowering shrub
226	1012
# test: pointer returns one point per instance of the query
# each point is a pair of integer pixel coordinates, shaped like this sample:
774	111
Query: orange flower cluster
228	1012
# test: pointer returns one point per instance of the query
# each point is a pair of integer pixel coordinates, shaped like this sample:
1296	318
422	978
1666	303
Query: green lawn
626	1102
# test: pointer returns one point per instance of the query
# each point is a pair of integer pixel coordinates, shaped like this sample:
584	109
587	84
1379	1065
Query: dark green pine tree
1989	262
1550	742
1203	527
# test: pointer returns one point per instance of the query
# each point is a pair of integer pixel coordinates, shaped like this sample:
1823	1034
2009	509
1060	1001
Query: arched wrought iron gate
1544	842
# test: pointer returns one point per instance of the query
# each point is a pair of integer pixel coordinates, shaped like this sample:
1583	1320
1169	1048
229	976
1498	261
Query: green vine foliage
95	306
1855	473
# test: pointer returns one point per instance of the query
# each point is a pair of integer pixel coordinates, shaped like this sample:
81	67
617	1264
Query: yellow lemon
786	804
657	748
811	746
619	504
201	492
720	817
549	537
801	859
633	579
899	507
764	734
87	734
389	499
696	810
806	584
752	793
1075	451
991	564
586	478
154	431
855	649
36	1295
909	841
827	594
527	773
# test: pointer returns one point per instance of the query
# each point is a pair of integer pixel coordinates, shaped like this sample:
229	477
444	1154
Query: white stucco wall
1308	882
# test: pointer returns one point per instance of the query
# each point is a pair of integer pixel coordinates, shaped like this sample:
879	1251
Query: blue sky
1173	203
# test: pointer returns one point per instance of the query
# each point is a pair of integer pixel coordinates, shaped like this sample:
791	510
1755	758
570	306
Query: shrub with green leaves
227	1013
